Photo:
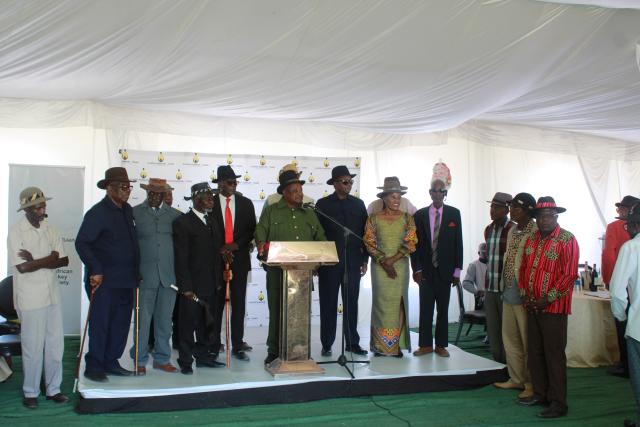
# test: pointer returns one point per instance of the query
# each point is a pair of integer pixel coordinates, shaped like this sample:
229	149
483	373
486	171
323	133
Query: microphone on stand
309	205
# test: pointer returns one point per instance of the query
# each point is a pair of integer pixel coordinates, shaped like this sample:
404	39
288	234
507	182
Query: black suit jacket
244	227
197	254
449	244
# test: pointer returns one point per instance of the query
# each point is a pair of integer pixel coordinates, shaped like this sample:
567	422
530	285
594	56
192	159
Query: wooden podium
297	260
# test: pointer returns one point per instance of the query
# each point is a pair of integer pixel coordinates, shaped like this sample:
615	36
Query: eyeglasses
347	182
441	191
546	216
231	182
123	187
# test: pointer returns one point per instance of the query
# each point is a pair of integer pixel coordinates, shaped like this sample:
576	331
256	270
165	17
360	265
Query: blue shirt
351	213
107	244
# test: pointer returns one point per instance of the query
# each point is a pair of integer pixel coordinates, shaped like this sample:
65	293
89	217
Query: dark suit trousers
191	320
434	292
330	281
238	291
109	323
547	361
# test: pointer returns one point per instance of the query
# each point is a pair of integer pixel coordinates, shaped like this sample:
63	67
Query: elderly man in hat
615	236
236	215
35	252
154	220
349	212
514	316
378	204
437	262
625	300
495	235
548	272
283	221
197	239
275	197
108	247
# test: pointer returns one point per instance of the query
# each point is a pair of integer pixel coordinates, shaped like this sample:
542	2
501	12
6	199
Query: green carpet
595	399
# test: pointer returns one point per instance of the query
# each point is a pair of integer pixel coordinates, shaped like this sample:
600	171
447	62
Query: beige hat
31	196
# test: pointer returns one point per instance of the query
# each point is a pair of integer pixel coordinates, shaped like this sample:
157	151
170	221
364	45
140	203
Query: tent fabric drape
389	66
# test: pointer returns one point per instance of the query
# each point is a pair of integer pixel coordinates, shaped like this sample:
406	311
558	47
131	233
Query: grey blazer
155	238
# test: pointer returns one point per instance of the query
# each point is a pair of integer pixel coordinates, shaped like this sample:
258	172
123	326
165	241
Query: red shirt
614	238
550	268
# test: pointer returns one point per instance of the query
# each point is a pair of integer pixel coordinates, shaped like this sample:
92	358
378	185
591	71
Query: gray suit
155	238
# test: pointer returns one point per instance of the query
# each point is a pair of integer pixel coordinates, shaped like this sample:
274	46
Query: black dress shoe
98	377
270	358
533	400
30	402
186	370
58	398
240	355
356	349
208	364
326	351
119	371
553	412
245	347
618	371
629	423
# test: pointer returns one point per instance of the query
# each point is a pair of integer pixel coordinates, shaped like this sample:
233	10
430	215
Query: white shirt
39	288
625	276
232	207
200	215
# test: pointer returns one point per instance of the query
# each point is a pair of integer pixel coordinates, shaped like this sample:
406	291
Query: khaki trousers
514	337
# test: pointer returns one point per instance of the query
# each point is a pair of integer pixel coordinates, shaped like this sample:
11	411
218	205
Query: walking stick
135	370
84	335
228	274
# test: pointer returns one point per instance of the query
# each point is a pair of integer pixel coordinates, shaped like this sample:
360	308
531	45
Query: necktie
434	244
228	224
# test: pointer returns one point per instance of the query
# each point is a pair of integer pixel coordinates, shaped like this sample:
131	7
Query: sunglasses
231	182
441	191
347	182
123	187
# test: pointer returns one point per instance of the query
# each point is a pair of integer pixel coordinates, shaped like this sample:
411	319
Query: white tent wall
587	186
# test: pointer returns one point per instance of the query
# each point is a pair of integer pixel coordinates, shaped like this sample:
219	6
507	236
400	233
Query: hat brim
155	189
402	187
330	180
281	187
558	209
34	202
384	193
102	184
215	181
501	204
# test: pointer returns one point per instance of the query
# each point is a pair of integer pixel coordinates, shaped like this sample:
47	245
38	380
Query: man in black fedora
283	221
351	213
196	240
236	216
108	247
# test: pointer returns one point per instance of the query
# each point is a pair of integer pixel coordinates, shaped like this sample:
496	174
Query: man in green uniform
284	221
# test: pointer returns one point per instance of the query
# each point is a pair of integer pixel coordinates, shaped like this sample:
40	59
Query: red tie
228	224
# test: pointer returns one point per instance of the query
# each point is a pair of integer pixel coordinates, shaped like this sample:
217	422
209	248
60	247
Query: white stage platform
219	387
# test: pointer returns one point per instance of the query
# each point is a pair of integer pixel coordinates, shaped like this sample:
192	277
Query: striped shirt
496	238
549	269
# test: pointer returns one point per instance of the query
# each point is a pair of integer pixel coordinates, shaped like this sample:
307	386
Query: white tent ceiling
380	66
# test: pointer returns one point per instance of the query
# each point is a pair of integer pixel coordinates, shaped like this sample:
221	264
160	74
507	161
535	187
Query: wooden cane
84	336
228	274
135	370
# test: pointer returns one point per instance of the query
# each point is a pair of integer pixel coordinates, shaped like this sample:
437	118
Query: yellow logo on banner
326	162
311	178
294	162
247	177
178	174
161	157
124	154
213	176
260	296
356	193
263	161
262	195
196	158
143	173
229	159
325	194
340	309
356	162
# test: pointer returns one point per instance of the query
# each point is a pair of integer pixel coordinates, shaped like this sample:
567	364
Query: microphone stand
346	232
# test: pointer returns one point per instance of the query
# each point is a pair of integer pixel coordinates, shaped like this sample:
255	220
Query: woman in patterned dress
390	237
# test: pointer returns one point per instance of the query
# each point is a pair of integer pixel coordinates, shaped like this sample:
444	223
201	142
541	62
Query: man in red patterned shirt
548	272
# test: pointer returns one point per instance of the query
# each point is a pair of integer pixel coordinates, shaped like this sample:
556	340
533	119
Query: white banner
65	185
259	179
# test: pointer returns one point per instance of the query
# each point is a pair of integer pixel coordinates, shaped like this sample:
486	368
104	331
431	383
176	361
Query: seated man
474	279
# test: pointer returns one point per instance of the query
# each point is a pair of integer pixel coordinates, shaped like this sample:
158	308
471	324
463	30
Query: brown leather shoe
508	385
142	371
58	398
442	352
421	351
167	367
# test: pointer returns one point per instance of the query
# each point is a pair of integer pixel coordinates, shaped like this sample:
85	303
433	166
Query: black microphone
309	205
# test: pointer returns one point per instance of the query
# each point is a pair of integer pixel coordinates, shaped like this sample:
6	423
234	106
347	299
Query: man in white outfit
35	251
